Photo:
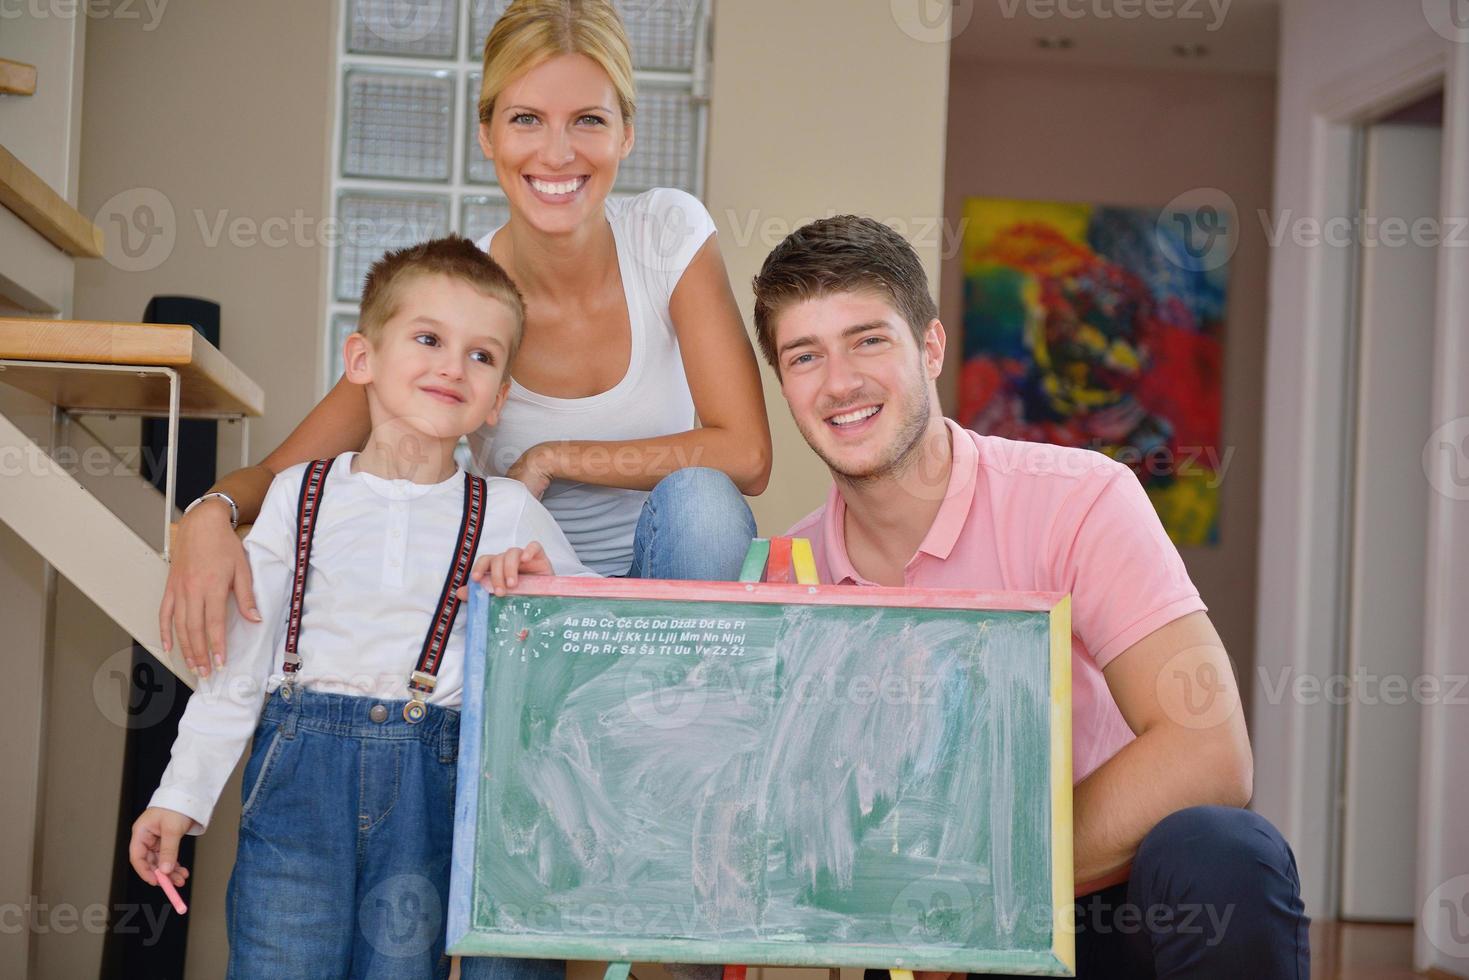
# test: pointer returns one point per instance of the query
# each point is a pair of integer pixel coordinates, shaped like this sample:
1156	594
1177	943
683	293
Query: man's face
859	388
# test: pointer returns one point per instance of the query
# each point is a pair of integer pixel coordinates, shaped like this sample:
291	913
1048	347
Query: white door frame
1443	799
1303	547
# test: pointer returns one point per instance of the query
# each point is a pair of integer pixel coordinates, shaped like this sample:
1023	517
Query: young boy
351	681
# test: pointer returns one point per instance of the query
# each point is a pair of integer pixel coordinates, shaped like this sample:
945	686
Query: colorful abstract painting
1101	327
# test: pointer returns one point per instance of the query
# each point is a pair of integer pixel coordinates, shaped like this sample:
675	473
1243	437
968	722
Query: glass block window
398	125
342	324
422	28
477	170
372	222
481	215
407	164
665	130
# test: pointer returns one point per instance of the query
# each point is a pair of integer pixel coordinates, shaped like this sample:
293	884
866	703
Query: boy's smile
438	369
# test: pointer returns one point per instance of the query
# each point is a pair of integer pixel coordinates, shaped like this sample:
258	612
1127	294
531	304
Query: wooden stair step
210	385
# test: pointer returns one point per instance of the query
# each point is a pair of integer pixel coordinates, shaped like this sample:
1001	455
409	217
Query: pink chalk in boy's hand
500	572
173	894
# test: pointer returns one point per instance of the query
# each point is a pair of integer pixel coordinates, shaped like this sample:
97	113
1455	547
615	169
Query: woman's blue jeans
695	526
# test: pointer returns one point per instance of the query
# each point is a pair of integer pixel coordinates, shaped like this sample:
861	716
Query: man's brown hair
843	254
455	257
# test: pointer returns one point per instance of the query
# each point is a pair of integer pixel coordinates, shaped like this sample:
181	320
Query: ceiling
1240	35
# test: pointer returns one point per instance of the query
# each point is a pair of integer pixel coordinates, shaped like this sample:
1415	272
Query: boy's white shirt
379	558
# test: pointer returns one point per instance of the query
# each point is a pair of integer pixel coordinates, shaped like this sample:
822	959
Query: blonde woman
631	332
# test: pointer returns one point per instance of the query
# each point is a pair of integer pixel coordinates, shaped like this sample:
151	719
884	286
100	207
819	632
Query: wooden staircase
114	369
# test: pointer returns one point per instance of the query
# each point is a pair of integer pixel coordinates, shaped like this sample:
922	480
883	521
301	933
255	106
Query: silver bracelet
234	510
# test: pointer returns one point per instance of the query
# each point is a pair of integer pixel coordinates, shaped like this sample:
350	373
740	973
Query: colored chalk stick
754	568
778	569
732	972
618	971
166	884
803	561
901	974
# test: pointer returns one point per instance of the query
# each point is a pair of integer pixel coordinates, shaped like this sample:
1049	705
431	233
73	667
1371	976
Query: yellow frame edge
1063	880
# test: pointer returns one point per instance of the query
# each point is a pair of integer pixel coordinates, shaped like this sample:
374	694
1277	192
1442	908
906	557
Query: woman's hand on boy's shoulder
502	571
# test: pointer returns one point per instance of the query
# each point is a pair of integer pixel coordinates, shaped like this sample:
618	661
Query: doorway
1398	233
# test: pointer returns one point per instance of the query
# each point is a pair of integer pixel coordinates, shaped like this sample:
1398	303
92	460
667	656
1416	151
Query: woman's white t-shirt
657	234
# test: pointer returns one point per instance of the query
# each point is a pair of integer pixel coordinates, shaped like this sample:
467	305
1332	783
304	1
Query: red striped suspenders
421	682
425	675
312	488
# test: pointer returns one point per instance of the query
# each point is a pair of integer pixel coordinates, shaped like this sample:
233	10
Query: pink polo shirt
1031	517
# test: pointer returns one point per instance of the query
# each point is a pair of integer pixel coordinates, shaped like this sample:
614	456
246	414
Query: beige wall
218	116
219	113
1112	136
41	131
802	127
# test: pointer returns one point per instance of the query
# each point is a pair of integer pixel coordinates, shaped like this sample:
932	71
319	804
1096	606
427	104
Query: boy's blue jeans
345	837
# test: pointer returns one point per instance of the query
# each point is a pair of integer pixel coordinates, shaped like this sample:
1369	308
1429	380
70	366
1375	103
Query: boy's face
859	388
439	364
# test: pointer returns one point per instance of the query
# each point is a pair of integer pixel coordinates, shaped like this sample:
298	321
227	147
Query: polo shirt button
379	713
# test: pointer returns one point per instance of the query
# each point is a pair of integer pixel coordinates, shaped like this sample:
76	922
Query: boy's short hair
452	256
843	254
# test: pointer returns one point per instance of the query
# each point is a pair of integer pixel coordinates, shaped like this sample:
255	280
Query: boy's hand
502	571
154	848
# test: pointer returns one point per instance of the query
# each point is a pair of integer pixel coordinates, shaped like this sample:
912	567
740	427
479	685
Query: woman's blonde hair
532	31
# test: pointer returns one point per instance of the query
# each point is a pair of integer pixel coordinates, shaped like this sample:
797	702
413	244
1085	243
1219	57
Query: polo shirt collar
947	524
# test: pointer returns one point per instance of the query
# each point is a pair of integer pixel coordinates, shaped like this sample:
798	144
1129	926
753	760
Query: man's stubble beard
907	445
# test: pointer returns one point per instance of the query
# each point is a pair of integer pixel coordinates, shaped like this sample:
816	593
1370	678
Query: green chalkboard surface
766	774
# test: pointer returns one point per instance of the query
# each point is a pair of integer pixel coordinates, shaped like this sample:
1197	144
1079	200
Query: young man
351	679
1173	878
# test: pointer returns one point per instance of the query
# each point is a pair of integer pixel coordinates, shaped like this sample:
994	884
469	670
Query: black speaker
145	938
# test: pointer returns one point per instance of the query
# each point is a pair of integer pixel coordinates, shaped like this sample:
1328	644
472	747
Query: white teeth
856	416
564	187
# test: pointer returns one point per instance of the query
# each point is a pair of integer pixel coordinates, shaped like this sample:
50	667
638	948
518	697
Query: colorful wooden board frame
766	774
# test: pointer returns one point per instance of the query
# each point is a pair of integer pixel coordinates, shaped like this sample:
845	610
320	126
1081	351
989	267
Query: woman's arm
724	380
208	562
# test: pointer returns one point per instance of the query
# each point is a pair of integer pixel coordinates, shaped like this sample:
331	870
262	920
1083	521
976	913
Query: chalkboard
770	774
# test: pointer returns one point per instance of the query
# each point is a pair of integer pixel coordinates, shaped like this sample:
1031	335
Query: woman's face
556	139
